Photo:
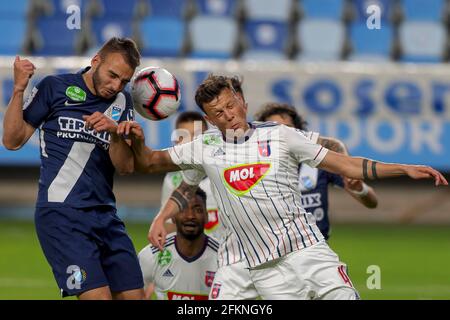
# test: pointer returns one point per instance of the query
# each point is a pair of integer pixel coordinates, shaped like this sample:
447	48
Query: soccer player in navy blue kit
82	237
314	182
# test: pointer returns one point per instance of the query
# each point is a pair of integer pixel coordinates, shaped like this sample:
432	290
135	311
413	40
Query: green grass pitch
414	260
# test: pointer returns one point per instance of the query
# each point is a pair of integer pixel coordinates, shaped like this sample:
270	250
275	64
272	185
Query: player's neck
190	248
88	80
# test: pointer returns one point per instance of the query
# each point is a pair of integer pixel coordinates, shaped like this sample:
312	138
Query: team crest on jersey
215	291
164	257
209	278
213	221
116	113
264	148
242	178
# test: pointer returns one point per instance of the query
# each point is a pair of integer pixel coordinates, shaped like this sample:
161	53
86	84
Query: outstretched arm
146	160
177	202
361	168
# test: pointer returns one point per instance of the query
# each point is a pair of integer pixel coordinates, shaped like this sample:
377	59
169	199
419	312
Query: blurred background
373	73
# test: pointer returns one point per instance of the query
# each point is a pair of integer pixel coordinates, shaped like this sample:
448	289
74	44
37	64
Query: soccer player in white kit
185	268
253	171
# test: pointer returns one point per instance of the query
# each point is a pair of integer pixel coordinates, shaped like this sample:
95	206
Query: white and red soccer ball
156	93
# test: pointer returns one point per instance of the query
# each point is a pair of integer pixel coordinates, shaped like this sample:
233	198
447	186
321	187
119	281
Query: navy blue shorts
87	249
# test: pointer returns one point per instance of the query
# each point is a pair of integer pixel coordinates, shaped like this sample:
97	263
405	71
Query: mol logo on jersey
241	179
171	295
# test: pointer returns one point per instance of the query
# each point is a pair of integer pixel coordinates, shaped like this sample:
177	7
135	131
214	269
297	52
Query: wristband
363	192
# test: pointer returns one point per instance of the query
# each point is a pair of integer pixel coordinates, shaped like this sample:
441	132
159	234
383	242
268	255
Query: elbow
10	145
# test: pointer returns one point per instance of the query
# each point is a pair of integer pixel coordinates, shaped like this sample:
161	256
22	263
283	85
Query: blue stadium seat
12	33
265	38
213	37
279	10
162	36
118	9
423	10
320	39
323	9
13	9
422	41
370	44
221	8
103	29
59	8
57	39
360	9
167	8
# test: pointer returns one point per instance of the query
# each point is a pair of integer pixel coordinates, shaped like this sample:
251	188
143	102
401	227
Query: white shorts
232	282
312	273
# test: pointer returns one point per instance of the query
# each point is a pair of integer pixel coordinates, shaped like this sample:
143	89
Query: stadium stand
303	30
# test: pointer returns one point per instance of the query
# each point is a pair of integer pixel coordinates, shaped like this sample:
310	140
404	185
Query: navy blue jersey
314	188
76	169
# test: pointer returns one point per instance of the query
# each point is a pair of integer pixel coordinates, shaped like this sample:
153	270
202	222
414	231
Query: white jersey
230	250
256	185
213	227
177	277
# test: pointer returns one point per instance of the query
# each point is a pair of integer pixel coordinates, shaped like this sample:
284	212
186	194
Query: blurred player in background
254	172
314	182
188	126
185	267
83	239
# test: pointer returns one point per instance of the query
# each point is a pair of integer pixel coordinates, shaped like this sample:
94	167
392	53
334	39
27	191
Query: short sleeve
37	106
302	148
147	263
188	155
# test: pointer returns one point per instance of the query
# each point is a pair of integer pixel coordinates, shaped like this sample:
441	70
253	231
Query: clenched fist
23	71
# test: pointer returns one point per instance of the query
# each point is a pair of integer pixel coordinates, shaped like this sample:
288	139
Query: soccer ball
156	93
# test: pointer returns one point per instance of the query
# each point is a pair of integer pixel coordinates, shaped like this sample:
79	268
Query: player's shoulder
212	243
265	124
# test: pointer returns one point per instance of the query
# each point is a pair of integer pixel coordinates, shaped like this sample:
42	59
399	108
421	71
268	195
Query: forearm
362	168
14	127
121	155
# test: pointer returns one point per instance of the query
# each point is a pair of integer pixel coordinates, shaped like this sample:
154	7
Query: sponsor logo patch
242	178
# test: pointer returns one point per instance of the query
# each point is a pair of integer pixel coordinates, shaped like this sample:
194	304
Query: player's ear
95	61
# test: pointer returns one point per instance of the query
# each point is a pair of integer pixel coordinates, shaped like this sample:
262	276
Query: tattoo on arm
331	144
183	194
364	165
374	170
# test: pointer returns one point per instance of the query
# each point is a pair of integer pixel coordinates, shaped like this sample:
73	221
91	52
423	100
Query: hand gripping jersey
76	169
256	184
177	277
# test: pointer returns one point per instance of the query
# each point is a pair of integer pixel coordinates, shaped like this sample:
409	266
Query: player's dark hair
274	108
201	194
213	85
190	116
126	47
